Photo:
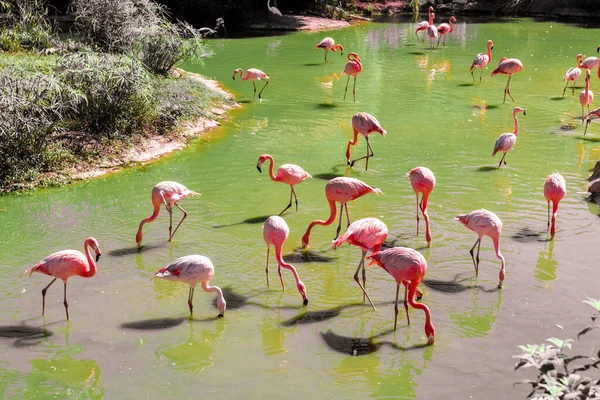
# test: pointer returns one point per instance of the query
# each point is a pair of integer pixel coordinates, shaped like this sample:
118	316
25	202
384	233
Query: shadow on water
311	64
326	105
456	285
555	98
467	85
310	317
333	174
304	256
361	346
416	53
486	168
127	251
153	324
25	335
253	220
589	139
526	235
234	300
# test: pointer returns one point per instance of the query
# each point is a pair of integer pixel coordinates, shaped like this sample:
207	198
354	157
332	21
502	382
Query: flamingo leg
548	228
362	264
417	214
326	56
502	159
280	277
406	302
565	88
587	123
65	302
295	198
170	210
347	216
254	84
473	76
44	290
573	88
346	90
369	154
507	90
475	264
438	42
339	228
261	90
289	205
190	299
185	214
354	92
480	75
267	268
396	307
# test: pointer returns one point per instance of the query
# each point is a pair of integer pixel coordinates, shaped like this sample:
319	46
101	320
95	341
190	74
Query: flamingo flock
405	265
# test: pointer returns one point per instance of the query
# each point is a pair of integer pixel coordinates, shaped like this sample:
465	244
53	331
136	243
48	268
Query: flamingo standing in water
289	174
353	68
592	115
423	25
253	74
445	29
275	232
407	267
422	181
482	60
167	193
508	66
364	124
586	97
554	191
329	44
506	141
484	223
341	190
65	264
573	74
368	234
431	30
192	270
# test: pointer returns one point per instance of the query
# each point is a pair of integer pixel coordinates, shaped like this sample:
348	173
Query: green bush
26	26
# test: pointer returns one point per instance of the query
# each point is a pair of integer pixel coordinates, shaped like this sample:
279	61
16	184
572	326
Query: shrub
26	27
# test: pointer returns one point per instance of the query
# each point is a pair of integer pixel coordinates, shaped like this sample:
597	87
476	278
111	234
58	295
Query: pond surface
129	337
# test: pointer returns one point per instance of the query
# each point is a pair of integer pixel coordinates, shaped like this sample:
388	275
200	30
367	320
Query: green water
129	337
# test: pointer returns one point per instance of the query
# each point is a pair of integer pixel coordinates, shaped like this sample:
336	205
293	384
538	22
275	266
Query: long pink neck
332	215
516	123
451	26
242	77
337	47
138	236
91	270
207	288
554	212
578	62
496	241
426	216
412	289
587	85
489	48
271	169
285	265
352	142
430	19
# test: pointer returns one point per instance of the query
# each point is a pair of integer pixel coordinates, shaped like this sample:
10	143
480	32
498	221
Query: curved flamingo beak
98	256
492	47
258	168
524	112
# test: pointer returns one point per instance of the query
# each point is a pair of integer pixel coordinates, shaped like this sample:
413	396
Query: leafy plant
557	377
26	27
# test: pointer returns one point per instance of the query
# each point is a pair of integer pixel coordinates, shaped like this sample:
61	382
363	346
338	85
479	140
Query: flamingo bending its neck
592	115
407	267
289	174
167	193
554	191
586	97
484	223
506	141
341	190
192	270
65	264
254	75
329	44
353	68
572	75
482	60
445	29
422	181
365	124
508	66
423	25
590	63
275	232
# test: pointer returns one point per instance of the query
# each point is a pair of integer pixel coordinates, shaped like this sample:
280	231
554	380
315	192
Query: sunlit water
129	337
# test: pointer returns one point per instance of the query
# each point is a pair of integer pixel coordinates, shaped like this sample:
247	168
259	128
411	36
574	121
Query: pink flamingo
289	174
484	223
422	181
407	267
253	74
192	270
364	124
554	191
573	74
368	234
329	44
482	60
590	63
423	25
275	232
167	193
65	264
444	29
592	115
353	68
587	96
508	66
506	141
341	190
431	31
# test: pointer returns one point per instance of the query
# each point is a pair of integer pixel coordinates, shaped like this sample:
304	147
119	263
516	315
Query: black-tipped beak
305	302
492	48
258	168
98	257
233	78
598	49
524	112
220	315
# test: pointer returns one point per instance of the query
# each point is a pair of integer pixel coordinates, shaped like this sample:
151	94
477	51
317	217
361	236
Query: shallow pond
129	337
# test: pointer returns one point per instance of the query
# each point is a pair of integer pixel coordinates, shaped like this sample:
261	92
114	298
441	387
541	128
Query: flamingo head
429	332
237	71
432	15
93	243
462	218
138	239
306	240
502	60
490	45
261	160
353	57
430	9
302	290
519	109
221	306
587	74
452	19
580	56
